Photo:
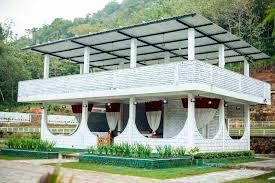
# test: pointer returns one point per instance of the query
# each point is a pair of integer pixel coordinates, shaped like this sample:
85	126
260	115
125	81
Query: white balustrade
177	73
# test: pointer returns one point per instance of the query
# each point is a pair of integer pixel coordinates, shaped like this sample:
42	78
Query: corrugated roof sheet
109	48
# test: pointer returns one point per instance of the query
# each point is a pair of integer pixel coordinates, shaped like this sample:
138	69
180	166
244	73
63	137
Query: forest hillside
252	20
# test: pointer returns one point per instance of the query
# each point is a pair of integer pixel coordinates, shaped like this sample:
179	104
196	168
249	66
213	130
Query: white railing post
46	66
191	44
176	81
133	54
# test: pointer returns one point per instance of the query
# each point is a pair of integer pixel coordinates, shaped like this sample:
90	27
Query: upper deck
170	56
161	79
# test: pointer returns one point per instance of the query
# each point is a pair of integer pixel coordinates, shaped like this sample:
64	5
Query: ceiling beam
211	37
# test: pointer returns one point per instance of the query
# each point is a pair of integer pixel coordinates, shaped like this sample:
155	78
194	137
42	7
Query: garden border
29	153
150	163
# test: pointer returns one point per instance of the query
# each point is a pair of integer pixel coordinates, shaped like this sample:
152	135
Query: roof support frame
107	52
175	50
214	39
146	35
165	42
64	58
146	42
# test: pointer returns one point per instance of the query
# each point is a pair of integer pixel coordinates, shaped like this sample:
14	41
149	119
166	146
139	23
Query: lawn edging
150	163
29	153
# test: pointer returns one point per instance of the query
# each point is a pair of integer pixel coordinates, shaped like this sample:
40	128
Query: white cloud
27	14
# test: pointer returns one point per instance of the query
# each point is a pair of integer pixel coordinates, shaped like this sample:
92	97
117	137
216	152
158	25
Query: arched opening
163	118
206	115
234	121
108	120
64	119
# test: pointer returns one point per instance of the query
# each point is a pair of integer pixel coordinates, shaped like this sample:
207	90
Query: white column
191	120
44	119
167	57
222	121
133	56
86	60
191	44
221	56
228	126
46	66
246	68
120	123
247	123
81	68
132	118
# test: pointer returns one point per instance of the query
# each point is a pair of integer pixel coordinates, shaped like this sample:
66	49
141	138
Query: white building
165	76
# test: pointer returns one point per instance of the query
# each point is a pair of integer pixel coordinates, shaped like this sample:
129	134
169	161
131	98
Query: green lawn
237	161
258	179
5	157
166	173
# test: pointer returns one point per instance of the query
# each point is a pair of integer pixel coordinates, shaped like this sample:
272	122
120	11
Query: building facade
160	83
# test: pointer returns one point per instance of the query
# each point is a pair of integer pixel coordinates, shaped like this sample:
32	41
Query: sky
27	14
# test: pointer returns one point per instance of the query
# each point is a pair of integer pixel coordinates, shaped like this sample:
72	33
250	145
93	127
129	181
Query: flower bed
149	163
29	153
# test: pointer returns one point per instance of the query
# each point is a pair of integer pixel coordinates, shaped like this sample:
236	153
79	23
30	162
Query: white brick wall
174	120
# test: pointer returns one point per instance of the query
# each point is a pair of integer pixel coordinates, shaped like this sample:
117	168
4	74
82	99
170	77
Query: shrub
125	150
29	144
168	151
212	155
179	152
165	151
142	151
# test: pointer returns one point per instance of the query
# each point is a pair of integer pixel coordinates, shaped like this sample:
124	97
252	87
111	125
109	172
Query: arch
82	138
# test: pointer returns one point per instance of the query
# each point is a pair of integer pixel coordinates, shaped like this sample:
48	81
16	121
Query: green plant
100	149
179	152
192	152
168	151
212	155
141	151
54	177
29	144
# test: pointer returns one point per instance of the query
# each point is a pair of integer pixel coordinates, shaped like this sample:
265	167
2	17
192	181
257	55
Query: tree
270	17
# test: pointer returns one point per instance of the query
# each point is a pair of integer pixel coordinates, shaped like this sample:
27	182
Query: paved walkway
217	177
29	171
259	165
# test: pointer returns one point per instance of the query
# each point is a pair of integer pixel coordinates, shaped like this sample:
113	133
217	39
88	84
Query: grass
259	179
5	157
166	173
238	161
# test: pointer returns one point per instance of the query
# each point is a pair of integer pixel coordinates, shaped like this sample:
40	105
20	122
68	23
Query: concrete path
29	171
217	177
259	165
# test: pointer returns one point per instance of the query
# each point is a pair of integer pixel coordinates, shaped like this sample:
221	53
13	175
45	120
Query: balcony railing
191	74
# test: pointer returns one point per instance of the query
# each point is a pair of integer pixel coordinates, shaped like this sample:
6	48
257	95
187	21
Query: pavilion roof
111	47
